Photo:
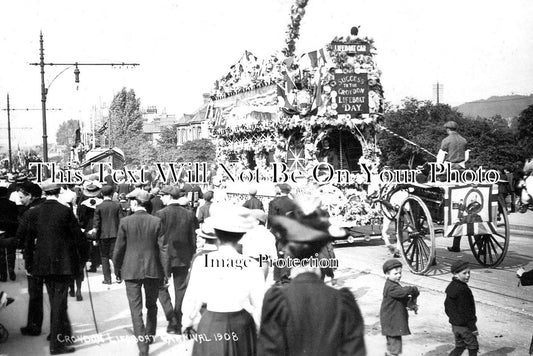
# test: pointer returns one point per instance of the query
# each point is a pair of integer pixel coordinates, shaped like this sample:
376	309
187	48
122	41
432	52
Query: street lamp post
44	89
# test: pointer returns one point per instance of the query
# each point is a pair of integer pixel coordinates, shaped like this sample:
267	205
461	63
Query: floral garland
293	29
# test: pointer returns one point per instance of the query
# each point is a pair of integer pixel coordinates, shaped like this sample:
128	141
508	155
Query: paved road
505	312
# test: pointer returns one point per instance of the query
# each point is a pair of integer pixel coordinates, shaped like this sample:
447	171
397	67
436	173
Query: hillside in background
505	106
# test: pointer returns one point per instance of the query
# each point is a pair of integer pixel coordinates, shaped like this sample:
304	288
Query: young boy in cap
393	313
461	310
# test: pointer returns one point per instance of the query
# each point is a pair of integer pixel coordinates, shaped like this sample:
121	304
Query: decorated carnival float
315	117
311	116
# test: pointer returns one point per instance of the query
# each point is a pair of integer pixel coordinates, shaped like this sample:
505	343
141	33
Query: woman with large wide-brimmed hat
230	285
305	316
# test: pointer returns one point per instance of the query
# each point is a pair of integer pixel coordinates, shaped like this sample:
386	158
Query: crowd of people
222	260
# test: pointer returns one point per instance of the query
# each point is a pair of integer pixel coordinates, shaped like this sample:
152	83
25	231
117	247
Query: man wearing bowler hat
179	225
53	250
453	147
141	258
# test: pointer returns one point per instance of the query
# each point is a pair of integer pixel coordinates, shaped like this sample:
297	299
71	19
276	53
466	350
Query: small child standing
393	314
461	310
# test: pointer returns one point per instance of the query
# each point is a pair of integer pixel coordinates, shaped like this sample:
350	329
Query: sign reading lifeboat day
352	93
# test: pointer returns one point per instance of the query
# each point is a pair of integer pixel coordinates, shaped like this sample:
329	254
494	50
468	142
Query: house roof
157	124
197	117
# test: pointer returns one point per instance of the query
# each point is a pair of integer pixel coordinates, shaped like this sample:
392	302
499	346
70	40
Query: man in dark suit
281	206
141	258
253	202
30	196
8	223
106	220
53	251
179	225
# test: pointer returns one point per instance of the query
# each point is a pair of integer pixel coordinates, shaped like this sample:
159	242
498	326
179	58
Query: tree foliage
524	135
66	133
192	151
491	141
168	137
126	118
127	127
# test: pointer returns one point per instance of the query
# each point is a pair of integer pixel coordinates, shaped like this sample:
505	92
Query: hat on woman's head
259	215
310	213
206	232
294	231
231	218
91	190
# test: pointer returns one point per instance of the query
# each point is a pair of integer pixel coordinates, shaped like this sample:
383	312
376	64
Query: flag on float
281	92
317	102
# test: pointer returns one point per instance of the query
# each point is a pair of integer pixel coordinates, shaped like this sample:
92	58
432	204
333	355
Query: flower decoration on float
359	210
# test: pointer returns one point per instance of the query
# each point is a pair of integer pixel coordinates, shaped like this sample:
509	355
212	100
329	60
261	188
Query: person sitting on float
453	148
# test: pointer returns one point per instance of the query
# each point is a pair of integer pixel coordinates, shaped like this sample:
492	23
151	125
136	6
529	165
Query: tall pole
438	98
43	103
9	131
44	90
93	126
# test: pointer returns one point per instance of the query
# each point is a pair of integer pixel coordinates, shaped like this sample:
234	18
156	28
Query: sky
475	49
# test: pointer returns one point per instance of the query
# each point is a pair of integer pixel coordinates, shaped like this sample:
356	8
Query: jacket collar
140	212
307	277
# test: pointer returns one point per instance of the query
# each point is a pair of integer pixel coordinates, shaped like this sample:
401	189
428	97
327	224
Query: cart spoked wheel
3	334
490	249
416	235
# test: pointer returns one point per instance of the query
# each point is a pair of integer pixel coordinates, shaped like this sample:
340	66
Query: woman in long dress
305	316
231	286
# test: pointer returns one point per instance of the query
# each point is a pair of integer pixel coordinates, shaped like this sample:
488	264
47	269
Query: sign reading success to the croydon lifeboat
352	93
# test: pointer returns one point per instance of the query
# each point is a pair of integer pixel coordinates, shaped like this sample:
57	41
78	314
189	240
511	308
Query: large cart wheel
416	235
490	249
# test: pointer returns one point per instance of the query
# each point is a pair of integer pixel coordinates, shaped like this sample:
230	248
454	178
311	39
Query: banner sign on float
352	93
352	48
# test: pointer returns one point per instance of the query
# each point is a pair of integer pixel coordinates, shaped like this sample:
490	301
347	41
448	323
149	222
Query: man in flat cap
53	250
140	256
107	217
453	150
179	225
453	147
